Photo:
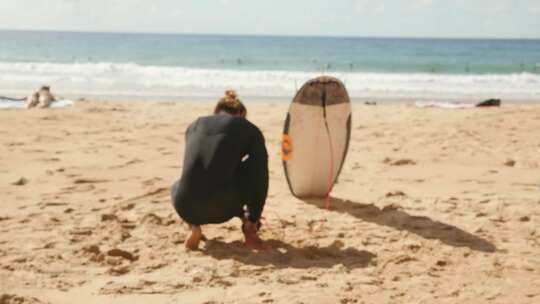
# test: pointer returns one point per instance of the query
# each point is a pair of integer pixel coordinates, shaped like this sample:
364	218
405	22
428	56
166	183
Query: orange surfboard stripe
286	148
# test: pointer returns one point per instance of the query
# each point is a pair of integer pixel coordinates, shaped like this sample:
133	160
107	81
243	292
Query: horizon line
267	35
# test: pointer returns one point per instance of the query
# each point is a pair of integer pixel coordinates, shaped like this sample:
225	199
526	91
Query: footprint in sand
51	204
395	193
50	159
524	219
90	181
20	182
153	219
79	188
510	163
123	254
15	144
157	191
399	162
130	162
91	250
118	271
357	166
15	299
132	288
108	217
151	181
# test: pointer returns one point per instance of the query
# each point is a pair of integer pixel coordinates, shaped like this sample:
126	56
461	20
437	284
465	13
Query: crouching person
225	173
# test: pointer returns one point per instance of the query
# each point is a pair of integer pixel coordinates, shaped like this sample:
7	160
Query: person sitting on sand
225	173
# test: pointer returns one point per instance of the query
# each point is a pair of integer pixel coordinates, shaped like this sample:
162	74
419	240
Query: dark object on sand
370	103
510	163
20	182
489	103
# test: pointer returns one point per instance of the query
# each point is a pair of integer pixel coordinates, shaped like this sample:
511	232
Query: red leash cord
331	173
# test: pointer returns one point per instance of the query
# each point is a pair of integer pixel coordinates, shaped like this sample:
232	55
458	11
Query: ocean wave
125	80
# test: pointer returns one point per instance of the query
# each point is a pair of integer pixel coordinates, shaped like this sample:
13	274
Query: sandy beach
432	206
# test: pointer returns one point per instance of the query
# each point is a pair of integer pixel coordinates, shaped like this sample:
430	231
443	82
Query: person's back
225	170
215	146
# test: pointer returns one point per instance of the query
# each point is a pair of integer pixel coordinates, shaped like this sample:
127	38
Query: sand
433	206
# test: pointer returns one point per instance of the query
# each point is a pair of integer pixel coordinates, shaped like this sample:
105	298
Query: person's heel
252	239
192	242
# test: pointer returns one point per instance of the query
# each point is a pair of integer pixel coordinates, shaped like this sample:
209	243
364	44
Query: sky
379	18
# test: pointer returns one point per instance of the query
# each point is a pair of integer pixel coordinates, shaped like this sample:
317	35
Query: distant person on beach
32	100
225	173
42	98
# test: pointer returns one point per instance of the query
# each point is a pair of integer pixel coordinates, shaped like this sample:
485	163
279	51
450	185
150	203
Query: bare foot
253	241
256	243
192	243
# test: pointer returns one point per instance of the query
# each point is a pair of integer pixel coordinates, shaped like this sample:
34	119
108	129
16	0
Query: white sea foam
129	80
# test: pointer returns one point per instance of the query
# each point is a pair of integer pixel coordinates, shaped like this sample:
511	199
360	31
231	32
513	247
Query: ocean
122	66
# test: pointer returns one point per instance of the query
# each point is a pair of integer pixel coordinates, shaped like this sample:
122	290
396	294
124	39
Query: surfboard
316	137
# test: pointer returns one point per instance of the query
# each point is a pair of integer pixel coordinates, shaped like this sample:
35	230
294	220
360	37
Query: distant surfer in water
225	173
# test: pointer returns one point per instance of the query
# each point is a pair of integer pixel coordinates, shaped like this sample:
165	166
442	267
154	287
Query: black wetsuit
225	169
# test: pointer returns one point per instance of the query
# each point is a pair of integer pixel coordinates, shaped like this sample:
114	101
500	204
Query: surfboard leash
331	175
12	99
331	146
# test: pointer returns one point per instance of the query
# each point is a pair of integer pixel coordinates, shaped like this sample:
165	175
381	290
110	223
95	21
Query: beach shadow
283	255
398	219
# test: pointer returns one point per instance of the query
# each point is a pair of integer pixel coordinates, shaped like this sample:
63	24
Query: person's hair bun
231	104
230	95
